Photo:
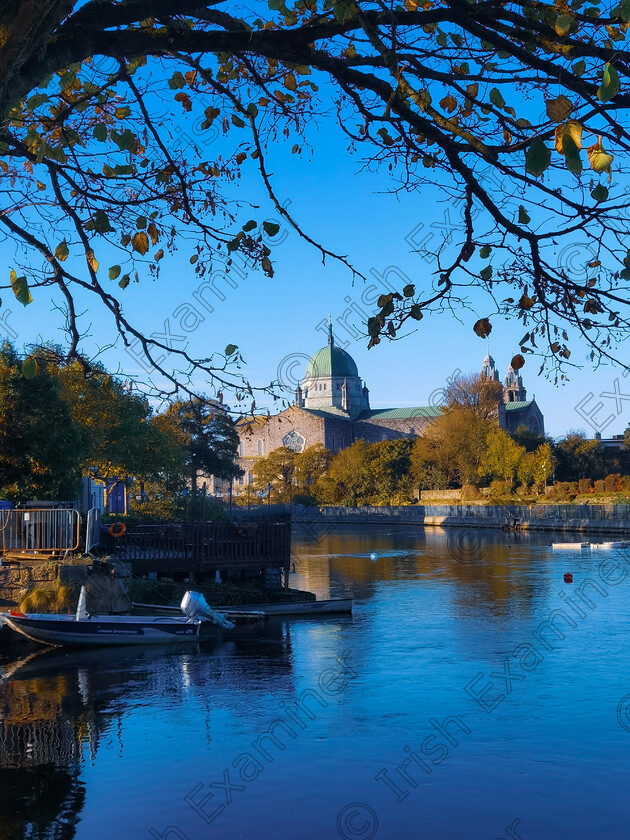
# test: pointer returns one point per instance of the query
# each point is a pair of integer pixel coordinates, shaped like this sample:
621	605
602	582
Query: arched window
240	449
260	447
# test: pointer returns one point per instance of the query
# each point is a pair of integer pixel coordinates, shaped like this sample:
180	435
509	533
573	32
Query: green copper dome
331	361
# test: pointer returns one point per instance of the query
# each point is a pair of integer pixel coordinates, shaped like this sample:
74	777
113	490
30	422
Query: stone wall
107	584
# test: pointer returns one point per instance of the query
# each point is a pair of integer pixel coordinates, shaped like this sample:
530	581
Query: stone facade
332	408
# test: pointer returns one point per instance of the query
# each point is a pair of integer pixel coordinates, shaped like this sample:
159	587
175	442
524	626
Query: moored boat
84	629
334	605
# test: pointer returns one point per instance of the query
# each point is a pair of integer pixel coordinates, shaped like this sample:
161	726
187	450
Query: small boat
84	629
235	613
334	605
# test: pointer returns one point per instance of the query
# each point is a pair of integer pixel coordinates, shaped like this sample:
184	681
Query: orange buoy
568	577
117	529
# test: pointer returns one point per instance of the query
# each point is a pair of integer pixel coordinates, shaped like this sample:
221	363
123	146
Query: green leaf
30	367
343	10
114	272
237	121
523	217
600	193
496	98
416	312
409	290
250	225
177	81
271	228
61	251
538	157
276	5
579	67
20	289
571	154
231	349
101	223
36	100
485	252
486	273
610	84
563	25
124	281
125	140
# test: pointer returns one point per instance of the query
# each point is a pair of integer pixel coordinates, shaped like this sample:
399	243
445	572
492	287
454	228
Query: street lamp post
269	494
545	469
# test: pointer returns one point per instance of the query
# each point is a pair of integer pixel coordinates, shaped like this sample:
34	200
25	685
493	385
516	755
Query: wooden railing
205	547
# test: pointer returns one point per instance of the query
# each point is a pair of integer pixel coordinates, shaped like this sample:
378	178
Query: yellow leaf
563	25
140	242
91	260
570	129
599	159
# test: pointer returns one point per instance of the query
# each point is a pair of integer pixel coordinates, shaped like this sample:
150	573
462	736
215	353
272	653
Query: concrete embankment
596	519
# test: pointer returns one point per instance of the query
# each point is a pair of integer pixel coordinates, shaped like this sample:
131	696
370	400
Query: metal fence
92	529
42	531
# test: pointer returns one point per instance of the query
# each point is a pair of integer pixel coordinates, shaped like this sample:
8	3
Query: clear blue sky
275	322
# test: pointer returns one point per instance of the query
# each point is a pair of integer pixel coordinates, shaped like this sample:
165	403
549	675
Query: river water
445	707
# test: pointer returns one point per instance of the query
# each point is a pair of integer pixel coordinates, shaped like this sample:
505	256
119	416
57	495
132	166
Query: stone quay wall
107	584
604	519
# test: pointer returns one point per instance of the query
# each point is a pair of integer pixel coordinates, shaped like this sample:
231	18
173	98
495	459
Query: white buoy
373	557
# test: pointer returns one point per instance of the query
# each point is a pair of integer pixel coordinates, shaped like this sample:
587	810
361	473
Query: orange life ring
117	529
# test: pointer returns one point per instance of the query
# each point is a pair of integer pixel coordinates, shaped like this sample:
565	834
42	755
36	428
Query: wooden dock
203	548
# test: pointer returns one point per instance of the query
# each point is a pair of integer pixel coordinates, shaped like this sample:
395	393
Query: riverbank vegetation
461	451
59	423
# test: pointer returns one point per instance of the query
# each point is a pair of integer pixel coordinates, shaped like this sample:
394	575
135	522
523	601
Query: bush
500	488
625	482
612	483
599	486
469	492
585	485
522	490
564	490
304	499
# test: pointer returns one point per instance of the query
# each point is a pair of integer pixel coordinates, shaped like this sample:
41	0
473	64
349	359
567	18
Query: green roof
405	413
518	406
331	361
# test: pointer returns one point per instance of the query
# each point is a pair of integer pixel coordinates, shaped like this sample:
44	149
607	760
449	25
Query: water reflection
109	743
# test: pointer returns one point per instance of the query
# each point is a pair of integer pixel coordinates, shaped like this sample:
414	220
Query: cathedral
332	407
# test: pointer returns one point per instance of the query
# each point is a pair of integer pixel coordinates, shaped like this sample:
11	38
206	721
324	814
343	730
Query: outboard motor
194	605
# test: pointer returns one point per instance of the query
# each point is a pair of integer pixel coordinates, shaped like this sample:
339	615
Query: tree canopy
516	109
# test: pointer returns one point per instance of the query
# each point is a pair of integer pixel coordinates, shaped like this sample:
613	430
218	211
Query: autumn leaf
517	361
140	242
20	289
449	103
91	259
570	129
153	233
483	327
599	159
559	109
